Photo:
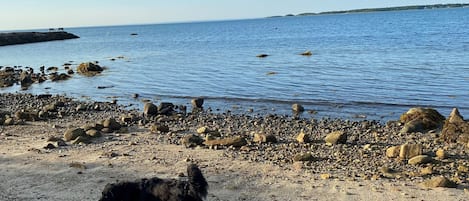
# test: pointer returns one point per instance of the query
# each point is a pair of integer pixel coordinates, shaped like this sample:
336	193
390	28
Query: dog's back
156	189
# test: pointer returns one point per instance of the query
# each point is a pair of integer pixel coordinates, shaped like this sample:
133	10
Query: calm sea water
376	65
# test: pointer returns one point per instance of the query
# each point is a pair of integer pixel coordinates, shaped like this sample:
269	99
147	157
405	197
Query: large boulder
421	120
150	109
455	128
74	133
89	68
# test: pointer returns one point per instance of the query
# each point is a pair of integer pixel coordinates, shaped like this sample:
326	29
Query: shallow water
371	64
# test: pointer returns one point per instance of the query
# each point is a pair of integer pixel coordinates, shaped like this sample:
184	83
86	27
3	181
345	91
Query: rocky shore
16	38
422	149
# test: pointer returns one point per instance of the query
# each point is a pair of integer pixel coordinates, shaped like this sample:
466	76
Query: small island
399	8
16	38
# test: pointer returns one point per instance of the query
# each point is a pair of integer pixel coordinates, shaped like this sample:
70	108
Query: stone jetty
16	38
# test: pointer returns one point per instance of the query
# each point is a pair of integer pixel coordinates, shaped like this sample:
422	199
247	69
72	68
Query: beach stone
463	169
303	157
426	171
112	124
9	121
165	108
408	151
440	181
27	115
192	141
297	108
197	102
159	128
337	137
393	152
263	138
421	120
73	133
82	140
232	141
455	129
150	109
325	176
420	159
50	146
303	138
89	68
441	154
93	133
81	107
203	130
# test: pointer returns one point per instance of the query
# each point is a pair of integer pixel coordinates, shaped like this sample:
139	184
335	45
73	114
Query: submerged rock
89	68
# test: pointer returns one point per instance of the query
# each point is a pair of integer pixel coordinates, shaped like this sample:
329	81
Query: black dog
156	189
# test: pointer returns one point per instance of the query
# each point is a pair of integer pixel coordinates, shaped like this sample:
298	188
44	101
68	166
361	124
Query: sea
372	66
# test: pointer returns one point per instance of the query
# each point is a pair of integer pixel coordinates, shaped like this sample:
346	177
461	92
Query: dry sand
30	172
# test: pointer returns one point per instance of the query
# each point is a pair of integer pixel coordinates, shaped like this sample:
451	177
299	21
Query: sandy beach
35	164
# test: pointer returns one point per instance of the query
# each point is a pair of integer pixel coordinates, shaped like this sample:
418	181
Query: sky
43	14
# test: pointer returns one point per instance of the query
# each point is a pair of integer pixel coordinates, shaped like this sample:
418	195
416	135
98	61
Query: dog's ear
197	182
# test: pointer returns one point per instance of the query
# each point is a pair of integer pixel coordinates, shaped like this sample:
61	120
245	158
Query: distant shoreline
366	10
17	38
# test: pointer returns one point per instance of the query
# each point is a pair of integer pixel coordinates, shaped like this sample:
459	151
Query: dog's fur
156	189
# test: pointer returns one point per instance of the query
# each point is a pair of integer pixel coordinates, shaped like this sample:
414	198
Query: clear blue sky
32	14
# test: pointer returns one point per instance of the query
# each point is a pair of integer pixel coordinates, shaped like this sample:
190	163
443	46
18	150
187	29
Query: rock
93	133
15	38
9	121
27	115
73	133
463	169
297	108
112	124
81	107
50	146
159	128
197	102
421	120
165	108
192	141
303	157
150	109
307	53
82	140
393	152
408	151
441	154
420	159
426	171
203	130
89	68
262	55
325	176
455	129
337	137
263	138
233	141
303	138
439	182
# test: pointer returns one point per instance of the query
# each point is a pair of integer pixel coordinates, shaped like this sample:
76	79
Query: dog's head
198	185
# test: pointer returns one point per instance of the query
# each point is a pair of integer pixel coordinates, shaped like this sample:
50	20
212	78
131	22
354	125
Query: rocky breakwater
16	38
26	76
